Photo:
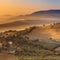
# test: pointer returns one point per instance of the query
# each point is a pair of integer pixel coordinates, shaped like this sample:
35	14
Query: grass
49	46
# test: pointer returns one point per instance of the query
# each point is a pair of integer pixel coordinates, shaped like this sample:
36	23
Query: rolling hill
35	42
46	32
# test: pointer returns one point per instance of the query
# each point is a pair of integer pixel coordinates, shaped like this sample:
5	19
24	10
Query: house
10	42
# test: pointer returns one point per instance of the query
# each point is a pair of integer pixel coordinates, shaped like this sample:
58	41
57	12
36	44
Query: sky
22	7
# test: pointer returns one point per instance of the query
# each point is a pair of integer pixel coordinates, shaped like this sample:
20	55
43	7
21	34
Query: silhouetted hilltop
46	12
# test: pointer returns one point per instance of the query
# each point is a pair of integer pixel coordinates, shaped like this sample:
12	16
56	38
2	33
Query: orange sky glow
18	10
22	7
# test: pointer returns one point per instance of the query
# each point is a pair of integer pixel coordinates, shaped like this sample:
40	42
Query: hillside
46	32
33	42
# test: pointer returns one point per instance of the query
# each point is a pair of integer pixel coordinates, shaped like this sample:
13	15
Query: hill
47	13
31	42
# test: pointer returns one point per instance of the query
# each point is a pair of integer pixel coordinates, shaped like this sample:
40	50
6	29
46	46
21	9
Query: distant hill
47	12
41	14
20	23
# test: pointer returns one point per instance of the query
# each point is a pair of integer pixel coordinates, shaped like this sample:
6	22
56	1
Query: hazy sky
18	7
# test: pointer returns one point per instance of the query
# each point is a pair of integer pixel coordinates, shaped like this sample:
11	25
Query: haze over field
11	9
37	18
